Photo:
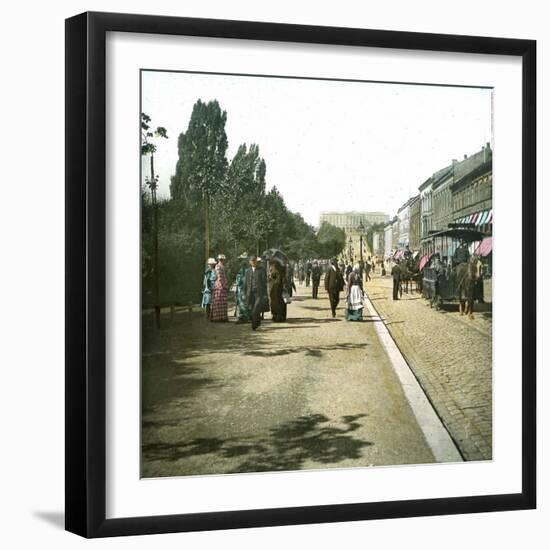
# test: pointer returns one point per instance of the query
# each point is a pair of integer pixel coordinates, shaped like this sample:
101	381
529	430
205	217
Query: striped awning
423	261
485	247
478	218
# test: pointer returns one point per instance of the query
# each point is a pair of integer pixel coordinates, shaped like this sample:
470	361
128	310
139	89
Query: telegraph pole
155	244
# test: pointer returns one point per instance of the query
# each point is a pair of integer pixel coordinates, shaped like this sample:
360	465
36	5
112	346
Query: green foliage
202	163
148	147
230	201
180	255
331	240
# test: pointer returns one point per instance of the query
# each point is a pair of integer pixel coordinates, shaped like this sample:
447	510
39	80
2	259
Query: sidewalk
451	357
314	392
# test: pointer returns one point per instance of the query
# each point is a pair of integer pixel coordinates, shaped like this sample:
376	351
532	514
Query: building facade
473	194
395	234
442	203
426	201
414	223
353	220
388	239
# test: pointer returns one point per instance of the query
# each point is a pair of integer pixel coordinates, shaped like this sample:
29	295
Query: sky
328	145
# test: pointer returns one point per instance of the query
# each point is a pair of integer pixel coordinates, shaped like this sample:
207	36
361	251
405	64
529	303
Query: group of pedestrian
256	291
338	278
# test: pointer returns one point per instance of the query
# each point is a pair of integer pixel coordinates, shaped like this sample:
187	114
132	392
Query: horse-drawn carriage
443	281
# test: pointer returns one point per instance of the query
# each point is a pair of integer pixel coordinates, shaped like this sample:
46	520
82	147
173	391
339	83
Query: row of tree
216	205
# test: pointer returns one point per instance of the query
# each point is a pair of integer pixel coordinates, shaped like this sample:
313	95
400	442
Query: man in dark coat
308	272
255	290
334	284
396	275
462	254
315	279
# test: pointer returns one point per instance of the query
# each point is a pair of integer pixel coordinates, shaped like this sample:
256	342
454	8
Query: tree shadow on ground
312	351
168	380
298	320
288	446
169	355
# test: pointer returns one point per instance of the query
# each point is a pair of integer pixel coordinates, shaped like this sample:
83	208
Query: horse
467	274
410	273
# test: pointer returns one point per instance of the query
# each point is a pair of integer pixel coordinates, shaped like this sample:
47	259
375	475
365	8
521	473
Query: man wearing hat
461	254
255	290
396	276
315	278
334	284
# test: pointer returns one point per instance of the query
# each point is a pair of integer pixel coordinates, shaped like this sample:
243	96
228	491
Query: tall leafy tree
331	239
202	162
244	217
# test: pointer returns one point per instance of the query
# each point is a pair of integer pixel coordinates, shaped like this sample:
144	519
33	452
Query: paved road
314	392
451	357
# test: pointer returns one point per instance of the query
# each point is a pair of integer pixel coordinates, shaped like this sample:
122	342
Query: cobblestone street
451	356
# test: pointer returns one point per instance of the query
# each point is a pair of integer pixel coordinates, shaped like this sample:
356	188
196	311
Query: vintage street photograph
316	273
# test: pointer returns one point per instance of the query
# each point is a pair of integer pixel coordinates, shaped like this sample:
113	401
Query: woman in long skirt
277	284
354	310
218	310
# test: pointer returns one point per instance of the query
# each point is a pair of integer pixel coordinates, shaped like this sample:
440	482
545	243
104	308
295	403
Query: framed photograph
289	257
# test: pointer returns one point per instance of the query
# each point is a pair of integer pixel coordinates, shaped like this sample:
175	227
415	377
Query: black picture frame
86	285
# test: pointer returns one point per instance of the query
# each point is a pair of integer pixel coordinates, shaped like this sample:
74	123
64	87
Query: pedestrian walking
208	281
277	285
266	308
291	285
315	279
334	284
241	305
301	272
368	266
308	272
354	309
396	275
349	269
255	288
218	311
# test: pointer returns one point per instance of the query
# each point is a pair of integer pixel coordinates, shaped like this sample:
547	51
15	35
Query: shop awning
423	261
485	247
478	218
